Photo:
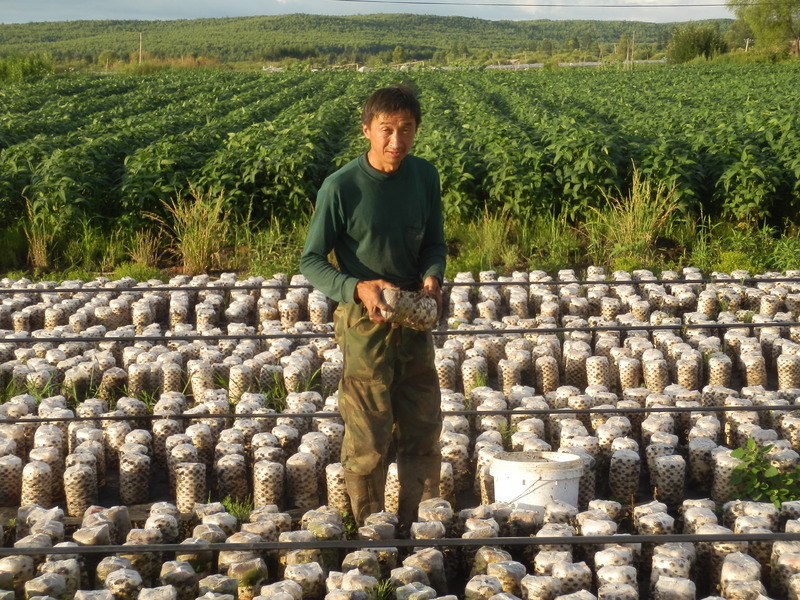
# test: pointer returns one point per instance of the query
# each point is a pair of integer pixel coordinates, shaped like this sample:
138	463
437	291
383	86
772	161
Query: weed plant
94	248
385	590
144	248
493	241
274	248
239	507
137	271
41	236
198	227
624	233
550	243
506	432
757	479
13	247
349	525
645	228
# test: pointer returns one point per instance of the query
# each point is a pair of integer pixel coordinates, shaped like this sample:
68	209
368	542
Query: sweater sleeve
433	251
327	224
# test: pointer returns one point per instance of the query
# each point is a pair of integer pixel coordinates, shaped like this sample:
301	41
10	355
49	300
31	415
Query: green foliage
506	431
13	247
272	248
275	393
94	247
724	247
385	590
484	244
692	40
775	23
785	253
239	507
41	235
526	158
549	242
50	388
137	271
349	526
198	228
757	479
9	530
624	233
15	68
145	247
732	260
74	273
149	400
739	36
750	186
303	37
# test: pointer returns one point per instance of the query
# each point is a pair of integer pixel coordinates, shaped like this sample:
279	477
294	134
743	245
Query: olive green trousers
388	397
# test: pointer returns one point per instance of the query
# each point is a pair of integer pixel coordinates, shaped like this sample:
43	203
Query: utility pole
140	47
632	48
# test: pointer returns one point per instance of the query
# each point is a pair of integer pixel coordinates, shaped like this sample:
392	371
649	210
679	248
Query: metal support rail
194	336
330	415
576	540
254	287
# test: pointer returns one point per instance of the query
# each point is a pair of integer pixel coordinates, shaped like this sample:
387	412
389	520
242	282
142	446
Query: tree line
327	40
764	29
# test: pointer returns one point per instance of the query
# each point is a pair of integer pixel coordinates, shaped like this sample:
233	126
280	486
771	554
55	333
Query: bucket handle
527	491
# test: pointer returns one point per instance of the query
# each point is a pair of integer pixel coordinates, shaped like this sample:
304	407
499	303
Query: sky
656	11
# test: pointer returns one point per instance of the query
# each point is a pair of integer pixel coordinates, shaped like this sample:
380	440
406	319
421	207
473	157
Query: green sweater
380	226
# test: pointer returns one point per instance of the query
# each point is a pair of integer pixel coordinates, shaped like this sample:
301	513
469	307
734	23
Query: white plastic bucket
536	478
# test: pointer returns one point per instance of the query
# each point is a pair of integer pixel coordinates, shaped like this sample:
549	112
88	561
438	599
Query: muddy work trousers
389	393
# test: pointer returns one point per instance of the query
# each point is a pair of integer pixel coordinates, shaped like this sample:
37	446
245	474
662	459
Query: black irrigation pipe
335	415
194	336
623	539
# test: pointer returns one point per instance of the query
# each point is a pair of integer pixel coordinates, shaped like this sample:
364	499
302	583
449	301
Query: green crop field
525	142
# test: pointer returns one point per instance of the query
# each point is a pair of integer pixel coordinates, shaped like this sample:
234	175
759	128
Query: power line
536	4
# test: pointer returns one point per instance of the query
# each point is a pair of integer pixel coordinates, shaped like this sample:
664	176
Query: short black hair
392	99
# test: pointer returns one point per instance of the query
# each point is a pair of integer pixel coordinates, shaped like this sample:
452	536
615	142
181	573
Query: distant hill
302	36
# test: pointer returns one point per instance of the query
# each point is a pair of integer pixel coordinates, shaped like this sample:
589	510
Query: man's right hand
369	294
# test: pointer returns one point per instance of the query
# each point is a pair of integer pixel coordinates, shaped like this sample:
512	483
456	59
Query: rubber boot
366	494
419	480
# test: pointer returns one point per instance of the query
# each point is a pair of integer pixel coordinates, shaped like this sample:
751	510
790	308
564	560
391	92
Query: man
381	214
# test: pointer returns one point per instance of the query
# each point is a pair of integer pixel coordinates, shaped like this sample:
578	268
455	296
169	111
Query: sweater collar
363	163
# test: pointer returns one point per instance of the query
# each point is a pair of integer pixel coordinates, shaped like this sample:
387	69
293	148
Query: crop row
524	141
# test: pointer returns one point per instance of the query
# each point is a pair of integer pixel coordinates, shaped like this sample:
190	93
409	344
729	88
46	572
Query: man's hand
431	288
369	294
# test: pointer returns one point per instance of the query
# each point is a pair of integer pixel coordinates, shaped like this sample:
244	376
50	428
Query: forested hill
304	36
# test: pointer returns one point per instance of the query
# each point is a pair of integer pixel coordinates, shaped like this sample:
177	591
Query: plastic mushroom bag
410	309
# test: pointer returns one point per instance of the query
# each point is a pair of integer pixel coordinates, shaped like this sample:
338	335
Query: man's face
391	137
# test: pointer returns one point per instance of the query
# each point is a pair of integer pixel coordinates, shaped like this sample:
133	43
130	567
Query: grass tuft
273	248
198	228
41	237
624	234
144	248
385	590
485	243
239	507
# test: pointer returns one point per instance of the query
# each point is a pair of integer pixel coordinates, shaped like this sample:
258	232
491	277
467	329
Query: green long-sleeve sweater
380	226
